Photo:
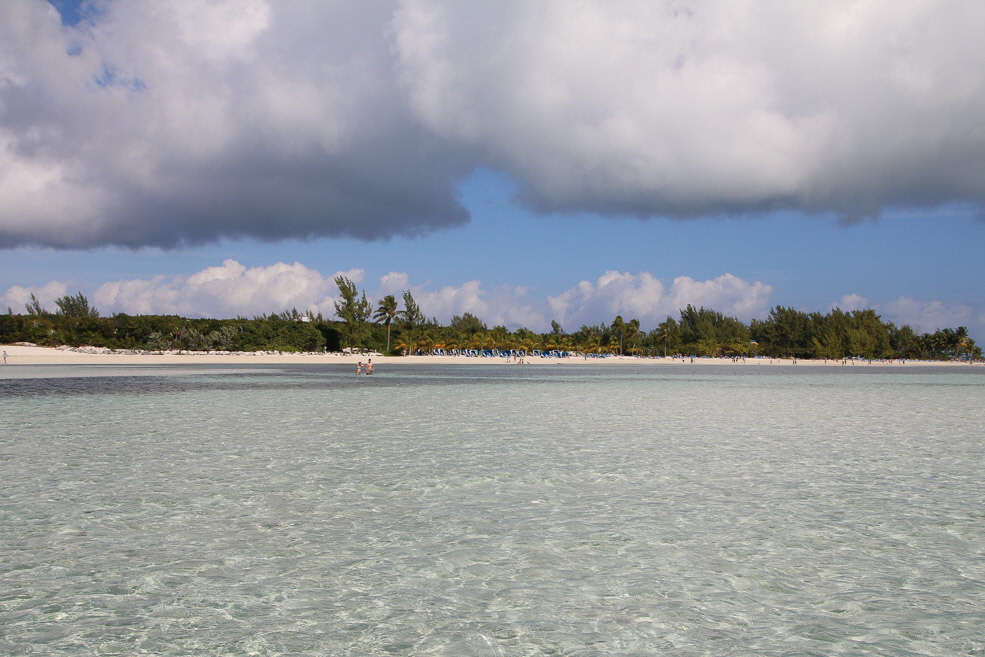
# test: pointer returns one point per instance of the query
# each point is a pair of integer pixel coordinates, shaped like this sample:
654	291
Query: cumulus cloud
16	298
232	289
923	316
505	305
684	109
182	122
645	297
852	301
928	316
228	290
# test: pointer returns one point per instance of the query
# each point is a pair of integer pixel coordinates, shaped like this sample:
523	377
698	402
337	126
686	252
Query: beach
24	354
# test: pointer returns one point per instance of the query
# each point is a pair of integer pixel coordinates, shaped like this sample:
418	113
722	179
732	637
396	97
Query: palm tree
634	333
665	331
424	343
619	326
385	314
962	342
500	336
588	344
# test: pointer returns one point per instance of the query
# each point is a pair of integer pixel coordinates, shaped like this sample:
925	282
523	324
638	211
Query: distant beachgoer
4	357
369	367
359	367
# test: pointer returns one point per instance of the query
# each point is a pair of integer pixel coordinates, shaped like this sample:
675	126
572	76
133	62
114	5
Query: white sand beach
24	354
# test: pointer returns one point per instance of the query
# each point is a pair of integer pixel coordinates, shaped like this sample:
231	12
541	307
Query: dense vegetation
390	328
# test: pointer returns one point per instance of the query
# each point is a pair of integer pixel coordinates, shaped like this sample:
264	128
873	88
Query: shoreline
23	354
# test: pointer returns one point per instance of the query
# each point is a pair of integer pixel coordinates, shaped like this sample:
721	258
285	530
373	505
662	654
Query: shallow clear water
492	510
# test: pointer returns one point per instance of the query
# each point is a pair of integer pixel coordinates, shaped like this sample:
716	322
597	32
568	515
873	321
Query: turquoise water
446	510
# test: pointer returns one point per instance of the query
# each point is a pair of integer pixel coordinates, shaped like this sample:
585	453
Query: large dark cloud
181	122
690	109
178	123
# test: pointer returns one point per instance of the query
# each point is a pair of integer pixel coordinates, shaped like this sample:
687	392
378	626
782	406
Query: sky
521	160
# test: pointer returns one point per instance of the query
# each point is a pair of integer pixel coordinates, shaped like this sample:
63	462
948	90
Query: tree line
400	327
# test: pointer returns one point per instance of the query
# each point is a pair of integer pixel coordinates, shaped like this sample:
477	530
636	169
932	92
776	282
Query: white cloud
851	302
505	305
923	316
642	296
16	297
180	122
928	316
394	283
232	289
226	291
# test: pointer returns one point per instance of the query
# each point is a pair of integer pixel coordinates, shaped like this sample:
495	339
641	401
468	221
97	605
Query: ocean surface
493	510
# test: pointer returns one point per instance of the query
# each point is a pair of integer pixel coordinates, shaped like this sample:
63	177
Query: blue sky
524	162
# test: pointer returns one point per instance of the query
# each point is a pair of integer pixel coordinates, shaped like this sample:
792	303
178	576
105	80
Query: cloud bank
232	289
182	122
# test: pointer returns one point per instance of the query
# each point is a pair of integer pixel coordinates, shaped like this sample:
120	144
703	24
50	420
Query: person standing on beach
4	356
